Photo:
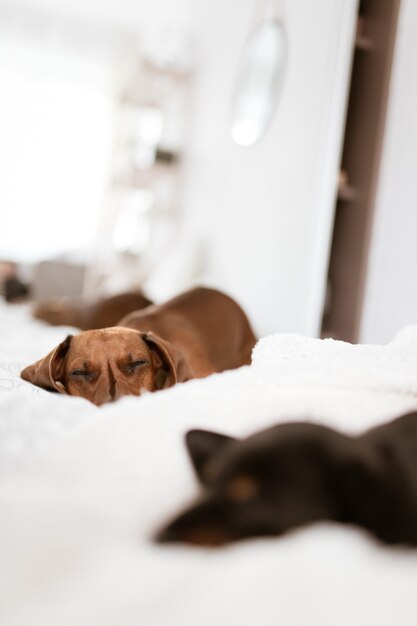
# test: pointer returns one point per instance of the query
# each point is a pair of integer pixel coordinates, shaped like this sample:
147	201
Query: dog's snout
112	383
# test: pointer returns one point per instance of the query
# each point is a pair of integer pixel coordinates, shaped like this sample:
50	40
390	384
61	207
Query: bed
84	489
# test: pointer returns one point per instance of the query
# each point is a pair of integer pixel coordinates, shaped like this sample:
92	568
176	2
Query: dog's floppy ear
169	363
202	445
48	372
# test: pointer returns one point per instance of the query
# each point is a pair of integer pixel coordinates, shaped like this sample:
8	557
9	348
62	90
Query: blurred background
266	148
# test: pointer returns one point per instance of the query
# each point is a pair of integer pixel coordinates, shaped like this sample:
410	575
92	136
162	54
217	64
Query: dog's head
279	479
103	365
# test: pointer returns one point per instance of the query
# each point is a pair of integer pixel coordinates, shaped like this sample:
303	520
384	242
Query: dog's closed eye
83	374
133	367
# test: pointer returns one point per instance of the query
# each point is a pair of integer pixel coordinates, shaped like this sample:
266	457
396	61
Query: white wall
266	212
391	290
55	116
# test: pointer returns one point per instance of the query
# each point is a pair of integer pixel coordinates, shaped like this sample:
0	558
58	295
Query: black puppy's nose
202	525
167	535
199	535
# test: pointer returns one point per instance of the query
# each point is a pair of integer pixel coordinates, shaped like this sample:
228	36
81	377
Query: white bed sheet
83	490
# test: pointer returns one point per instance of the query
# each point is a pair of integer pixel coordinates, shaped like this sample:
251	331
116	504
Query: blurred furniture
57	278
141	208
12	288
364	132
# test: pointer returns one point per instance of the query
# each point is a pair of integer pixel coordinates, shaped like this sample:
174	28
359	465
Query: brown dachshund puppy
191	336
296	474
102	313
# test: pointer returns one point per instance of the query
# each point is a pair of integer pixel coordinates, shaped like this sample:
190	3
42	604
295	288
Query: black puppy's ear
202	445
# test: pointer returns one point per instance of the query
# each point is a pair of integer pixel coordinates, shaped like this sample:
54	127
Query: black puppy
295	474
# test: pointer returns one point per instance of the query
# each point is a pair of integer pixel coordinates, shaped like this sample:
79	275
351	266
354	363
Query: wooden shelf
143	178
346	193
357	184
362	41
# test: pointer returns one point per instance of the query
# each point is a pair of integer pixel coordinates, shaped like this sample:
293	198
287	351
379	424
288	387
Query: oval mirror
258	82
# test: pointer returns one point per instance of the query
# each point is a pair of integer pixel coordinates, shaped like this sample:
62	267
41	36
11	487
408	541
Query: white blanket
83	490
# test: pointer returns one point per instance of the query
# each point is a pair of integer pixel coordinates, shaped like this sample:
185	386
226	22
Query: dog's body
191	336
101	313
207	327
296	474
